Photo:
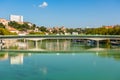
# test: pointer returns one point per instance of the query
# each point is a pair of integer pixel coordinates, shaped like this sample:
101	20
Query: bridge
36	38
92	37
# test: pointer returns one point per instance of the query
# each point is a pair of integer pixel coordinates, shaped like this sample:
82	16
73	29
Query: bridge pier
24	40
0	47
58	44
27	47
35	40
0	40
36	44
98	44
41	41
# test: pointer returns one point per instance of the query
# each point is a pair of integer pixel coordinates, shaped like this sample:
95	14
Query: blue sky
68	13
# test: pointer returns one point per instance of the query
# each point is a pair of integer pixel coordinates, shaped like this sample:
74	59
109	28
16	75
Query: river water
88	63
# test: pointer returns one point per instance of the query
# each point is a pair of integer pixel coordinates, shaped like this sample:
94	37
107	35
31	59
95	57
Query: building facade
16	18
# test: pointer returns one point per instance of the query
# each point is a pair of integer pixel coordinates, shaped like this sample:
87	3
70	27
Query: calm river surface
89	63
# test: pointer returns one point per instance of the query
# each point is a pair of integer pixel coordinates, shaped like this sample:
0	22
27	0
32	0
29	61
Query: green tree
14	25
43	28
5	32
2	26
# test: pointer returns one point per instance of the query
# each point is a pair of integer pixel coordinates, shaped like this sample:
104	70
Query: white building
74	33
16	18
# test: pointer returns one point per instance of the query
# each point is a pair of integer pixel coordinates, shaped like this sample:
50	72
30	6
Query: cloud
43	5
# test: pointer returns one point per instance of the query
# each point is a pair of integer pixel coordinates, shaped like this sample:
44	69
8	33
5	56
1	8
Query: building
74	33
36	30
108	27
50	30
63	29
16	18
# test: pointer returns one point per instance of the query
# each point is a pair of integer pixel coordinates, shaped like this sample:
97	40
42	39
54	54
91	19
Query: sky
68	13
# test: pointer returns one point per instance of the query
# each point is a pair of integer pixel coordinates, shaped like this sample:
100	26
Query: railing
60	36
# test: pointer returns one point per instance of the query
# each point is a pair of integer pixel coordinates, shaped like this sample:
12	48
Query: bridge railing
58	36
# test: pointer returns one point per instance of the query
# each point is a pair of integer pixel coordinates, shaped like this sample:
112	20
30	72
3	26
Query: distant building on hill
16	18
108	27
74	33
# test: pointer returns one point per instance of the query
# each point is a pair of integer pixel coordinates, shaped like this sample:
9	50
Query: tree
70	30
33	27
14	25
5	32
24	27
43	28
21	27
2	26
37	33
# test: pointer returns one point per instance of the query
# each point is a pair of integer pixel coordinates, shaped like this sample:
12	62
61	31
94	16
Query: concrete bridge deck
92	37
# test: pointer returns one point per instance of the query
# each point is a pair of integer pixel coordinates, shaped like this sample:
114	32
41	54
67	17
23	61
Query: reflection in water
97	53
96	49
21	45
44	70
4	56
17	59
59	45
58	54
62	67
109	54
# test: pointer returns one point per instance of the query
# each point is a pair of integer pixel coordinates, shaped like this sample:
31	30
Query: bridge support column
24	40
41	43
108	45
57	44
0	44
85	42
98	44
0	40
27	47
0	47
36	44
